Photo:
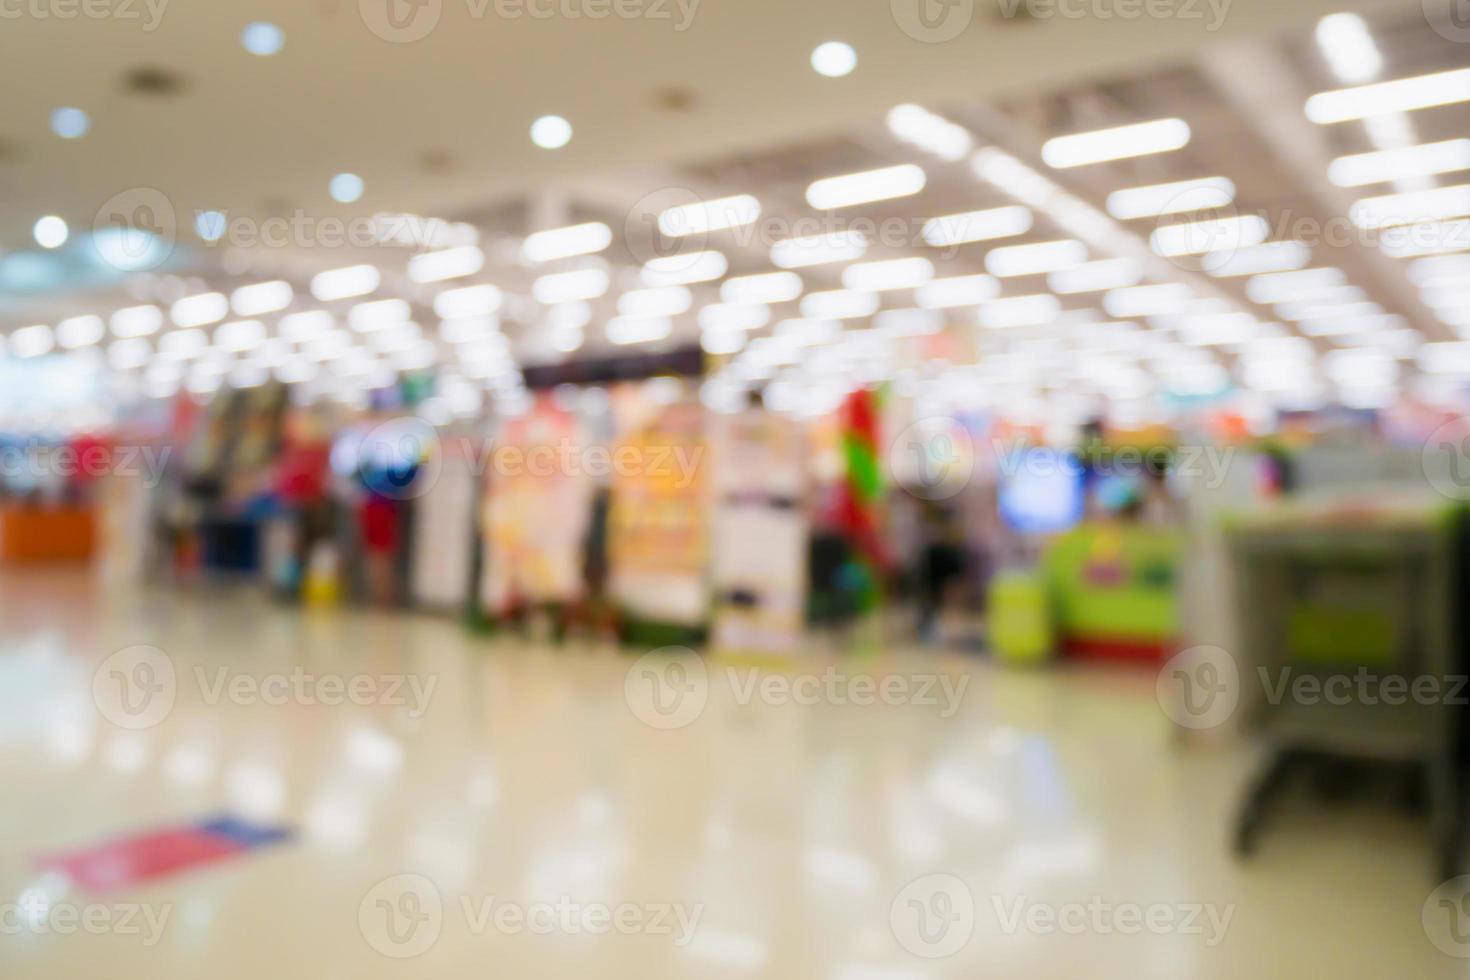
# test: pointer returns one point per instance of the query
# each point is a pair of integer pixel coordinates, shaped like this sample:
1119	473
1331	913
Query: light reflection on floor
787	833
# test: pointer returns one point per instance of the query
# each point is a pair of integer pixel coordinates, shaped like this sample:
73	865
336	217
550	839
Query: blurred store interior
880	492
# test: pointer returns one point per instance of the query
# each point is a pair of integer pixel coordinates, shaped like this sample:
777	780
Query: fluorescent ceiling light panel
239	336
80	331
769	287
136	321
934	134
1199	237
888	274
446	263
707	216
1035	259
1282	287
1338	326
563	287
682	270
32	341
1177	198
841	246
467	301
734	316
664	302
1415	207
978	226
300	327
1452	357
183	344
1349	48
1118	143
365	317
563	243
1257	260
1430	238
909	322
1382	166
262	297
1444	270
624	330
850	190
353	280
1401	95
839	304
1020	311
1095	277
196	311
1325	311
955	291
1160	300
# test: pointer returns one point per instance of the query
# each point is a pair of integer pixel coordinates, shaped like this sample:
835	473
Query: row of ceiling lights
1063	152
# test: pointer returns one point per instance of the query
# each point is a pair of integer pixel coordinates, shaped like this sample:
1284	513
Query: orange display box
46	534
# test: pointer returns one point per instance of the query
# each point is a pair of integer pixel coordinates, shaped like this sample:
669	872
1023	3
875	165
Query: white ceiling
254	135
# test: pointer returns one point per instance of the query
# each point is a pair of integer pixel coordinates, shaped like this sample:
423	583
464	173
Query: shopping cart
1349	649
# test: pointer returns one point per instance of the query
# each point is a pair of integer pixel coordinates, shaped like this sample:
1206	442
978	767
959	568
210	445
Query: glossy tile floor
538	795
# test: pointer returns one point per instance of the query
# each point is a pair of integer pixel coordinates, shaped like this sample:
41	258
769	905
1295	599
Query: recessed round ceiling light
551	132
346	188
262	38
50	232
834	59
70	123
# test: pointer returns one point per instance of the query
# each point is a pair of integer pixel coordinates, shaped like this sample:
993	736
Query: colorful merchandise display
536	511
658	545
1113	590
760	532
